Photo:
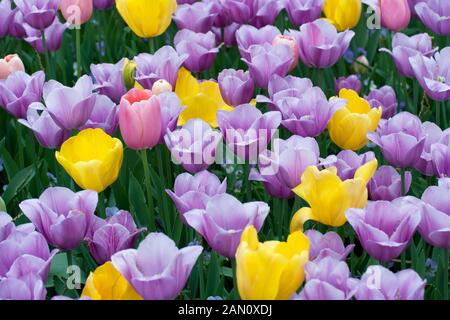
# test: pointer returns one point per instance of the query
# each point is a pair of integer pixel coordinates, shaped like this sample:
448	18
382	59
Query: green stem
150	205
69	258
402	173
48	65
19	144
444	114
151	45
246	184
438	114
101	212
165	214
78	49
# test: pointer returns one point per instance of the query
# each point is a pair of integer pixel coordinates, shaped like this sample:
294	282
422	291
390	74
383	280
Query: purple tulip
53	36
401	139
236	86
303	11
193	146
385	236
229	34
347	162
435	14
351	82
7	226
267	60
222	20
433	135
39	14
112	235
247	131
109	80
17	26
194	191
247	36
379	283
404	47
157	270
163	64
28	287
320	45
224	219
20	90
386	184
326	245
103	116
433	74
61	215
258	13
200	49
47	132
384	97
103	4
281	169
170	111
6	17
71	108
198	17
440	158
328	279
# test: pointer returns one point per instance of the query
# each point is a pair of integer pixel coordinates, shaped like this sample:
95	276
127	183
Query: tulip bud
10	64
361	65
129	70
161	86
76	12
291	43
395	14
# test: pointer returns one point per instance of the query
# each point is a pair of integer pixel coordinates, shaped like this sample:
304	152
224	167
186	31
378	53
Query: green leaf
18	182
137	202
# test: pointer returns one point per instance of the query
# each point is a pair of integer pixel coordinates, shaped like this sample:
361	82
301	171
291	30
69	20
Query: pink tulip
140	119
11	63
395	14
291	43
76	12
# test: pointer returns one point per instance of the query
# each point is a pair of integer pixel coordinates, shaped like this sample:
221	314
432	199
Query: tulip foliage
238	149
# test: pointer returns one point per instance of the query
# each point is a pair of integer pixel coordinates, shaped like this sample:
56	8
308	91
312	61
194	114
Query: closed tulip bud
350	125
271	270
291	43
76	12
129	70
361	65
92	158
395	14
343	14
147	18
11	63
106	283
161	86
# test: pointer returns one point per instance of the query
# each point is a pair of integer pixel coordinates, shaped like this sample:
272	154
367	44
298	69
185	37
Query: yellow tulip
106	283
343	14
202	99
92	158
270	270
350	125
329	197
147	18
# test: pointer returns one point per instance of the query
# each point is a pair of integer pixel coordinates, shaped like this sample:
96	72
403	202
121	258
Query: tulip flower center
136	95
441	79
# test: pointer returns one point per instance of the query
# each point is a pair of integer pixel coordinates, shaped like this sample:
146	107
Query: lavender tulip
104	115
61	215
53	36
435	14
258	13
385	236
223	221
198	17
72	107
6	16
28	287
7	226
193	146
20	90
351	82
236	86
103	4
163	64
386	184
326	245
194	191
170	111
281	169
17	26
229	34
109	80
303	11
247	36
39	14
440	158
47	132
433	134
200	49
435	224
347	162
328	279
320	45
384	97
106	237
247	131
157	270
433	74
267	60
379	283
401	139
222	20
